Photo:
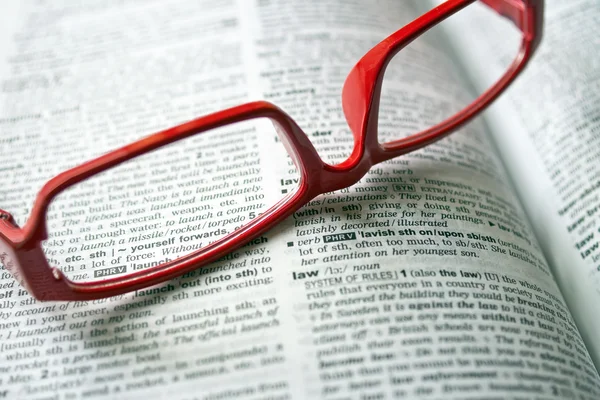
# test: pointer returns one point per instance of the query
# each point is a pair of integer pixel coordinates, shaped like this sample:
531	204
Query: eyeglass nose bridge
351	171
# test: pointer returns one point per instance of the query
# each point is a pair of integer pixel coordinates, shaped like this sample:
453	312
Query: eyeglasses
111	226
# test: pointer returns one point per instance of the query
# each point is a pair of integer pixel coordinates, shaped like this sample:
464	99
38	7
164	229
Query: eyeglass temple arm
511	9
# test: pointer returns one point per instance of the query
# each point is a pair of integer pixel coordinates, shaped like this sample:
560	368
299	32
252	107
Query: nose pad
6	216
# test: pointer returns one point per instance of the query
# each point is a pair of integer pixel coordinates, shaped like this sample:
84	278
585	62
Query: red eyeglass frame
21	250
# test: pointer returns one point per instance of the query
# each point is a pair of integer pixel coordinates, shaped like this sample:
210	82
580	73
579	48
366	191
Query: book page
546	130
423	280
